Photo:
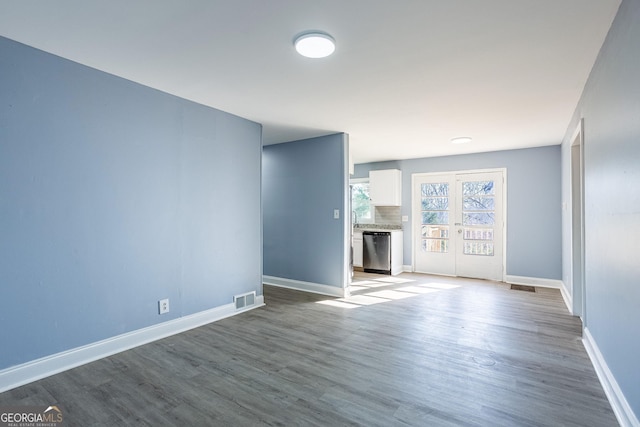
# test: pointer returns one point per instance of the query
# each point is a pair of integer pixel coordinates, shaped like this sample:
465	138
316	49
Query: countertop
377	227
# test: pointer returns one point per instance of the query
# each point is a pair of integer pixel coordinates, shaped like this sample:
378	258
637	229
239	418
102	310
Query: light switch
336	214
405	218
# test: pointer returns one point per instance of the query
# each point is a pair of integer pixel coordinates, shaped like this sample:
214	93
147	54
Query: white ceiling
406	77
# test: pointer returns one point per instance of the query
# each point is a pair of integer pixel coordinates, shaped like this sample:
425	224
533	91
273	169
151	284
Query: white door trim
415	222
578	282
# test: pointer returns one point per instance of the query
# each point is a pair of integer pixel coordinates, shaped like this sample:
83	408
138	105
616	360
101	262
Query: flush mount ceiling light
461	140
314	44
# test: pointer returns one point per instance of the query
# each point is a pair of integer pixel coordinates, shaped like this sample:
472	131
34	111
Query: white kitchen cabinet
396	252
357	248
385	187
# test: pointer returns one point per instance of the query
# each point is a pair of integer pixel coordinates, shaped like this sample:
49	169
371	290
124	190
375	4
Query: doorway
459	224
577	225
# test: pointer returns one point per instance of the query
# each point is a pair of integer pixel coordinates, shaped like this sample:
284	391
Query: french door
458	224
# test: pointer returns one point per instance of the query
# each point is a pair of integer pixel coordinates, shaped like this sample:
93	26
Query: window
361	209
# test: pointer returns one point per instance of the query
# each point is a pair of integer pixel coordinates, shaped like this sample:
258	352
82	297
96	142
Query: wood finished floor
409	350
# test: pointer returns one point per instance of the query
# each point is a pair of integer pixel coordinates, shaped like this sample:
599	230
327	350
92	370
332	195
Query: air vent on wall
244	300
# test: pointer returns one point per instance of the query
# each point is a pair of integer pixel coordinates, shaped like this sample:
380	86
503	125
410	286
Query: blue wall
303	182
113	196
610	106
534	246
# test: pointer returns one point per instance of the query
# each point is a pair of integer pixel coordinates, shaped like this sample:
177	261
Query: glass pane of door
435	217
478	217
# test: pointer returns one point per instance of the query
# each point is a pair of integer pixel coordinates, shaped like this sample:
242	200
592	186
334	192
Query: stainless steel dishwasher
376	252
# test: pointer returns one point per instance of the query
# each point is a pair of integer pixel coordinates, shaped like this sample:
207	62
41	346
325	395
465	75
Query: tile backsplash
388	215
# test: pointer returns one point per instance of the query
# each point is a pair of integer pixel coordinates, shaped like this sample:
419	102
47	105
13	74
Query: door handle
459	230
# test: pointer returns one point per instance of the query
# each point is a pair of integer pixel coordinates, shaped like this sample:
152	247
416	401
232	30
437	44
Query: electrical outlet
163	306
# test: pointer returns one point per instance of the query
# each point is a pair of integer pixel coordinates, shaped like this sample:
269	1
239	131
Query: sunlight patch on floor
391	295
366	299
338	303
391	279
418	289
437	285
385	295
366	284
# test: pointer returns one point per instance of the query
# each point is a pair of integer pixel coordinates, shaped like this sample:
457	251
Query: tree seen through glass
360	202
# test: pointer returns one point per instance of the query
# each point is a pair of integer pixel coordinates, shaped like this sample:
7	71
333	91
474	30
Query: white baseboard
619	403
25	373
407	268
299	285
567	297
533	281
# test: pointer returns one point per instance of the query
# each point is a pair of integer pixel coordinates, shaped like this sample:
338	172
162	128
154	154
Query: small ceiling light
461	140
314	44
